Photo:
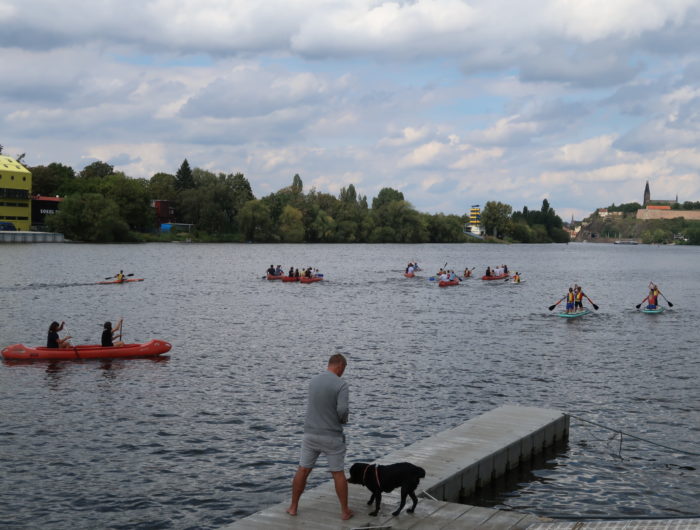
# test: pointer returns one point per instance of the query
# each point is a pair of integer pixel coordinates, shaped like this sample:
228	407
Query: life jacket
579	296
570	297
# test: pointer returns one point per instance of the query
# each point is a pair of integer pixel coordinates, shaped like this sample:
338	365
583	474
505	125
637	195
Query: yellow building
15	193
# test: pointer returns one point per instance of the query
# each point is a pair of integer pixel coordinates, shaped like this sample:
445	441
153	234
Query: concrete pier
30	237
457	461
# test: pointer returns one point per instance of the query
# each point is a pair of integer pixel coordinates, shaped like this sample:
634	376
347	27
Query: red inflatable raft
304	279
275	277
501	277
90	351
290	279
409	274
448	283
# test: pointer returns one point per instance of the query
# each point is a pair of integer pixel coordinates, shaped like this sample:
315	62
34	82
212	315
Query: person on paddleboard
108	334
516	277
53	340
652	298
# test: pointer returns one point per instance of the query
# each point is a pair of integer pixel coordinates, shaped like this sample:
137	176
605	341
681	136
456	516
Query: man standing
326	411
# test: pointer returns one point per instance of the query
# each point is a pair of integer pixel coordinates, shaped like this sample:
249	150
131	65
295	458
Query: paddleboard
656	311
574	315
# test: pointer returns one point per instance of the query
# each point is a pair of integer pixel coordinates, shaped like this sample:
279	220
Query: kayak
501	277
656	311
310	280
90	351
123	281
574	315
290	279
409	275
448	283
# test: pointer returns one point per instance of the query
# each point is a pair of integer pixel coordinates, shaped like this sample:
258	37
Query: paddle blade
551	307
638	306
130	274
669	303
595	306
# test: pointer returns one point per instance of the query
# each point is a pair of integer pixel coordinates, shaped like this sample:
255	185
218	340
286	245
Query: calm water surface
211	433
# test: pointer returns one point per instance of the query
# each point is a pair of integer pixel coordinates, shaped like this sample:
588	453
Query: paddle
551	307
640	303
121	328
118	275
667	301
591	301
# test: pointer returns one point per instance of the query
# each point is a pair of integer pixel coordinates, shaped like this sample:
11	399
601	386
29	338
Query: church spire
647	194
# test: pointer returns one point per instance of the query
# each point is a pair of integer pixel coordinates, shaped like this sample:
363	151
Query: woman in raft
108	334
53	340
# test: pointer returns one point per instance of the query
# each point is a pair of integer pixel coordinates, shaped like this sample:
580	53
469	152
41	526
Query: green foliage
291	226
496	218
184	180
657	236
162	186
386	196
96	170
532	226
47	180
444	228
692	234
90	217
255	221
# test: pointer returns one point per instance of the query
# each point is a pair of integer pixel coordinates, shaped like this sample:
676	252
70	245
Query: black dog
385	478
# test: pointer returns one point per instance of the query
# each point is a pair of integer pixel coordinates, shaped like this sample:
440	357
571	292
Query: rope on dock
620	432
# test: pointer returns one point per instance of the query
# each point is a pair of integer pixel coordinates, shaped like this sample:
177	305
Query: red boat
275	277
151	348
448	283
313	279
122	281
409	274
501	277
290	278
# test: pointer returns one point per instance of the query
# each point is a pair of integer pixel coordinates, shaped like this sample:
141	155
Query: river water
211	433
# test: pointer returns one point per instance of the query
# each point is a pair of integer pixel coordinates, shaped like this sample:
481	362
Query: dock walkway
457	461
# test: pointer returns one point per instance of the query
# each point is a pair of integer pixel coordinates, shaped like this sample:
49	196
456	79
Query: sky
451	102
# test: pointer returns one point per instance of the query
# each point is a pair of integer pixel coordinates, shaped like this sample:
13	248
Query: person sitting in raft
317	274
296	273
570	297
291	272
488	271
271	271
505	269
53	340
410	268
453	276
279	271
307	273
108	334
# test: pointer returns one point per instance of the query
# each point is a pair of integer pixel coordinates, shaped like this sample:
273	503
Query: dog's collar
376	475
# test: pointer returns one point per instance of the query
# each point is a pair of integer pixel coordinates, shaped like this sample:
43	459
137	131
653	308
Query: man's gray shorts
333	446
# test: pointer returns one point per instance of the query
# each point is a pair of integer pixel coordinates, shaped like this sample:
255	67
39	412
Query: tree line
103	205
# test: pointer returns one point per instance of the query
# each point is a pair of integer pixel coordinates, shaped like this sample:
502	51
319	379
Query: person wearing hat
108	334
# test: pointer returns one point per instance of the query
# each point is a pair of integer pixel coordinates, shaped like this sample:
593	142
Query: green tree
255	221
291	226
96	170
184	180
89	217
385	196
162	187
297	185
496	218
131	196
47	180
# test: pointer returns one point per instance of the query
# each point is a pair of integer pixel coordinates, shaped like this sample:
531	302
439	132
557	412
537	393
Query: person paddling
108	334
53	340
120	277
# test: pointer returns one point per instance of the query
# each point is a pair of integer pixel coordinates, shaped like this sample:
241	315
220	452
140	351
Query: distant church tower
647	194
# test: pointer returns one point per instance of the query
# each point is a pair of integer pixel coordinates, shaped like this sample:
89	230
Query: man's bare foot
347	515
291	511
